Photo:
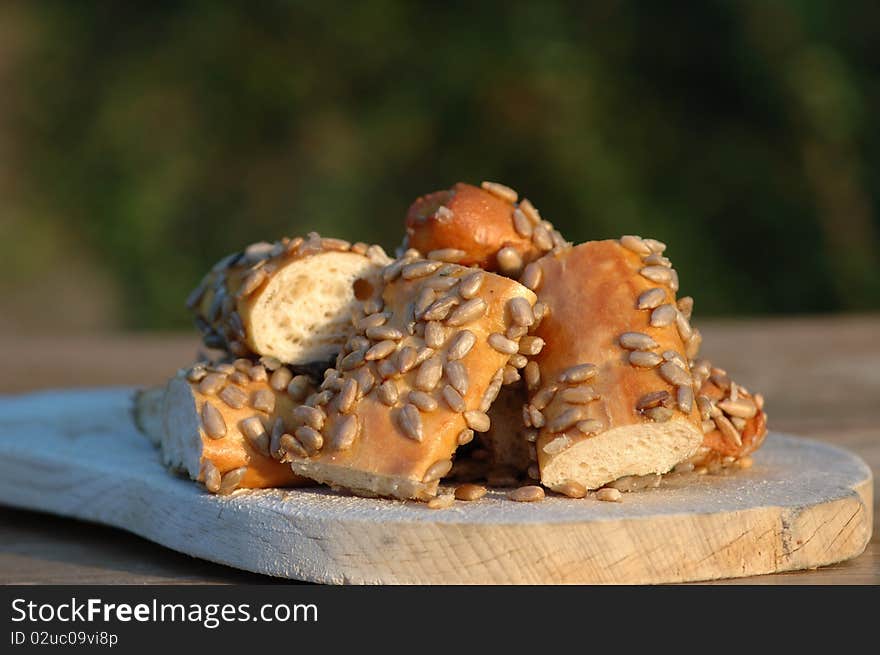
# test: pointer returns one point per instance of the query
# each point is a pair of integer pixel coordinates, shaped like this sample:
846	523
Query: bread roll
615	395
415	381
734	421
506	440
290	300
225	425
147	412
483	227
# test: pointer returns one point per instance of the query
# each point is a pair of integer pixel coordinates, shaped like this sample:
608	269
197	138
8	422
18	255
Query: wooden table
820	376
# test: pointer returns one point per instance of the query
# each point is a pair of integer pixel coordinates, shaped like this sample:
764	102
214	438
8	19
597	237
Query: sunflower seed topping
234	397
557	445
231	479
461	345
522	224
345	433
502	344
212	421
256	434
541	238
347	396
579	395
579	373
501	191
644	358
637	341
447	255
741	407
635	244
653	399
541	399
211	383
419	269
527	494
477	421
411	422
659	414
352	360
465	437
565	420
728	431
663	315
656	246
457	375
609	495
589	426
686	306
211	476
298	387
388	392
437	470
429	374
470	491
684	396
510	262
470	284
684	327
310	438
435	334
532	375
263	400
380	350
470	311
651	298
440	308
425	402
531	277
311	416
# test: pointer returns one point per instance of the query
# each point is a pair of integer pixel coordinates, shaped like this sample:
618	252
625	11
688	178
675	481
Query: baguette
483	227
614	395
290	300
225	424
415	382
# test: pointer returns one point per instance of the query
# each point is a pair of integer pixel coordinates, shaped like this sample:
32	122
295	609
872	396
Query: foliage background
140	142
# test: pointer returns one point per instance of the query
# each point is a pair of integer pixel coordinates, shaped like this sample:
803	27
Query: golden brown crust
225	299
427	357
731	407
593	322
480	224
244	405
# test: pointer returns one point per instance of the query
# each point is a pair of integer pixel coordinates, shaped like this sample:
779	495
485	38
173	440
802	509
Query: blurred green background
140	143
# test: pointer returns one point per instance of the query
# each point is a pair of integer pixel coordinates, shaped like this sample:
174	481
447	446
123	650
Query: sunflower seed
212	476
644	358
527	494
759	401
477	421
470	284
637	341
437	470
532	375
663	315
510	262
384	333
541	238
533	417
502	344
609	495
298	387
347	396
345	432
516	332
653	399
656	259
741	407
589	426
565	420
579	395
510	375
256	434
674	374
372	320
659	414
457	375
447	255
311	416
579	373
651	298
501	191
705	407
211	383
465	437
453	399
372	306
231	479
571	489
380	350
352	360
252	282
411	422
234	397
685	305
684	327
312	440
470	311
673	280
419	269
719	379
543	397
440	282
429	374
635	244
440	309
239	379
540	310
531	277
406	359
491	392
357	342
258	373
461	345
423	300
212	421
656	246
692	345
263	400
728	431
659	274
469	491
557	445
739	423
425	402
435	334
684	396
708	426
522	224
443	501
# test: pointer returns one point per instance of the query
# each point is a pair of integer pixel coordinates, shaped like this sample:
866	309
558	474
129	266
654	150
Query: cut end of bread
304	313
181	439
638	449
363	482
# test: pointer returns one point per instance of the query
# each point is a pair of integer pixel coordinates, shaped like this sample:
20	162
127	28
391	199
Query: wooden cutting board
803	504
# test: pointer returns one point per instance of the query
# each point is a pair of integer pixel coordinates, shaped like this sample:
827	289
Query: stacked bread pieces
576	366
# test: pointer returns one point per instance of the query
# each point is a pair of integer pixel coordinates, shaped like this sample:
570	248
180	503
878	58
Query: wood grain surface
821	378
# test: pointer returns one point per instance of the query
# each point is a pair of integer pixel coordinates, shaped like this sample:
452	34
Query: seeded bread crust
484	227
415	381
226	433
734	421
290	300
615	395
